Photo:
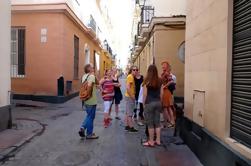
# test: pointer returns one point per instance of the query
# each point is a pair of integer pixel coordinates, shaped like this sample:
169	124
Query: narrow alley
60	144
185	65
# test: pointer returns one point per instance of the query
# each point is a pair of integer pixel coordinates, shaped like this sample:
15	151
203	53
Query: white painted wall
164	8
5	17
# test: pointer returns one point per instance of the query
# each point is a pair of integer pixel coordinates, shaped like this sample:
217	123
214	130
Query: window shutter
241	73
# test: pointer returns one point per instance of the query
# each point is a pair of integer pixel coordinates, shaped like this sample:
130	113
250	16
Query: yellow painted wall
105	62
166	44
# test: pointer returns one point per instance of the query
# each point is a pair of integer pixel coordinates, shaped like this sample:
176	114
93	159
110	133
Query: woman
152	104
107	89
117	93
138	79
168	87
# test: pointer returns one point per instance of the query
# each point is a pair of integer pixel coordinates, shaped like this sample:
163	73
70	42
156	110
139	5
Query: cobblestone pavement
60	145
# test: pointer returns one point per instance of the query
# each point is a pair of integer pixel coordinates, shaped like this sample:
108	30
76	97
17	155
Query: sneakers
118	118
133	130
140	123
81	132
92	136
127	128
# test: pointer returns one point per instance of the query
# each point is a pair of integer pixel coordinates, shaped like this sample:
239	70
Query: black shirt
138	83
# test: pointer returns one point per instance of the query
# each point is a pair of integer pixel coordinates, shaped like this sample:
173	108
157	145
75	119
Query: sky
121	16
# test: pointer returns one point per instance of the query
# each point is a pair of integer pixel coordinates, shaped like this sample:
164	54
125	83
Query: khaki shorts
130	105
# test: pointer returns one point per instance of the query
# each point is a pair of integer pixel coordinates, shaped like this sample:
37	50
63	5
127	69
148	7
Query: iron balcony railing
92	24
147	13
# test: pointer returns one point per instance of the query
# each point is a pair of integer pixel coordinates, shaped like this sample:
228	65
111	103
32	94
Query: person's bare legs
170	114
117	110
129	121
151	136
158	135
110	111
166	116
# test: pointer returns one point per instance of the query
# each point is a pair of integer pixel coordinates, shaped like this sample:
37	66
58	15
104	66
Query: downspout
153	50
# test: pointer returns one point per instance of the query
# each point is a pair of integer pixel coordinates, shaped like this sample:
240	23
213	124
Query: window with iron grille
76	57
147	13
17	52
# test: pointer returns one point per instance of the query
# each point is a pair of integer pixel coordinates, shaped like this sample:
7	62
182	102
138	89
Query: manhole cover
73	158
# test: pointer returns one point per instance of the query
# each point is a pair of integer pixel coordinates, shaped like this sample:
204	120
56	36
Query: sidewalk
23	130
21	133
175	152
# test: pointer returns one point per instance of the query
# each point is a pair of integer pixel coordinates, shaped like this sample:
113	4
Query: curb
10	152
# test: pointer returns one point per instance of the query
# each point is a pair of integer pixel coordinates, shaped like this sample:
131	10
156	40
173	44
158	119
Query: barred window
17	52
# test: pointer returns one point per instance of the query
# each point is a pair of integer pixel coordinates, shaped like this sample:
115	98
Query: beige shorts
130	105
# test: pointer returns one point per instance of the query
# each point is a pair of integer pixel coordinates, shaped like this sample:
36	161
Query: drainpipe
153	50
10	113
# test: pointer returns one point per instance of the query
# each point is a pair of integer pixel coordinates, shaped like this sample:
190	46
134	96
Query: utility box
198	107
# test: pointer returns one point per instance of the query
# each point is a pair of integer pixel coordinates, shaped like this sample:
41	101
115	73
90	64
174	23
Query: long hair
152	77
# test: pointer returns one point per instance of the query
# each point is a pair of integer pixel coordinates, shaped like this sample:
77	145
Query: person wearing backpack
89	98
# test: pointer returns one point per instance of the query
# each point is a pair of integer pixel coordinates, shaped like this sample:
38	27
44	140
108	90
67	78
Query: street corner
22	132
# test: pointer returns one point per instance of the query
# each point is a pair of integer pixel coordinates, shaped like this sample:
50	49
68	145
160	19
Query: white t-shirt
140	98
174	78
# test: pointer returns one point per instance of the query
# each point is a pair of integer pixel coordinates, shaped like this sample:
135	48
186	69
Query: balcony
107	47
147	13
92	24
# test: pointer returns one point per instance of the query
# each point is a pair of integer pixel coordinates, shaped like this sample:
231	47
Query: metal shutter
241	73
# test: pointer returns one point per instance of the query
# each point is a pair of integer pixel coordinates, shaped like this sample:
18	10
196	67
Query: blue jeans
88	121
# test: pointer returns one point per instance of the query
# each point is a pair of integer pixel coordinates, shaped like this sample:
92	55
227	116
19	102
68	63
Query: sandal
147	144
157	144
170	126
93	136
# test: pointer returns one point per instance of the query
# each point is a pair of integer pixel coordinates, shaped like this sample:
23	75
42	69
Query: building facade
5	17
51	43
217	126
160	33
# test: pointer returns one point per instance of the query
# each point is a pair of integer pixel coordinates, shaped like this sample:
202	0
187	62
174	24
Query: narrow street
60	144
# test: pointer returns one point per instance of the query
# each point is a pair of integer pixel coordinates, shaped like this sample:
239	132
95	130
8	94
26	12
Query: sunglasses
135	70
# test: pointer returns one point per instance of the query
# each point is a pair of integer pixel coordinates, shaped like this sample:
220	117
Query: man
130	99
90	104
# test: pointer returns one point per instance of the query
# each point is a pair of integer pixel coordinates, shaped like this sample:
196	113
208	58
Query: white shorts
107	106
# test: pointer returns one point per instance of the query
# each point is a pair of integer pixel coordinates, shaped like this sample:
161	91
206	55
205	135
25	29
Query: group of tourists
146	98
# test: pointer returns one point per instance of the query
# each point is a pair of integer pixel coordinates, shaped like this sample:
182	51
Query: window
87	54
181	52
17	52
76	56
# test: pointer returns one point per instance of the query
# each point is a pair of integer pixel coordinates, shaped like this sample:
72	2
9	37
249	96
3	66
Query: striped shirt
108	90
